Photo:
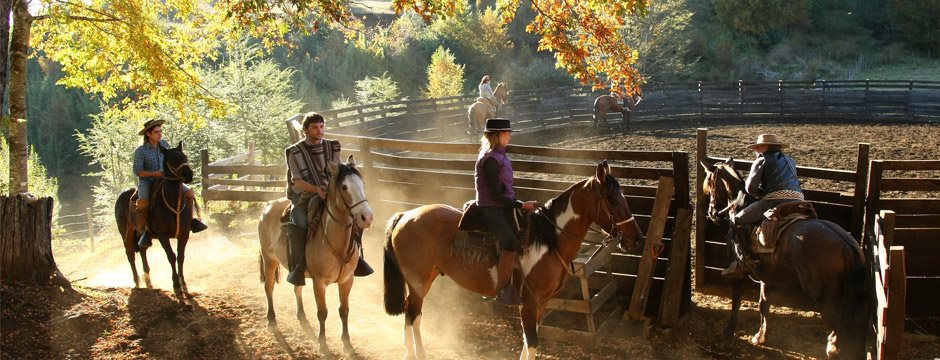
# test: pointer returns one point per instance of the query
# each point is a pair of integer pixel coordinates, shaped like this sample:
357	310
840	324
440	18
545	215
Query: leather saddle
475	241
776	220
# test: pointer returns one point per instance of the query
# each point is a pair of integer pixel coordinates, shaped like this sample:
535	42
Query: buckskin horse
418	249
815	257
482	109
331	252
169	218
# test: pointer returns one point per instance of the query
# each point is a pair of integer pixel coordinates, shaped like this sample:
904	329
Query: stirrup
296	275
508	296
733	271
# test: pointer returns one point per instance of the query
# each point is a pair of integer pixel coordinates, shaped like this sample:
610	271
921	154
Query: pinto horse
814	257
482	109
331	252
418	244
169	218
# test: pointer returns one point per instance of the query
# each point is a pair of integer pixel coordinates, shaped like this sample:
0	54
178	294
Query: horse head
613	215
176	165
350	192
725	189
501	93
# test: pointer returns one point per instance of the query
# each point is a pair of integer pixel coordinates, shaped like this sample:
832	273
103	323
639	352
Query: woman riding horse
496	199
148	166
772	181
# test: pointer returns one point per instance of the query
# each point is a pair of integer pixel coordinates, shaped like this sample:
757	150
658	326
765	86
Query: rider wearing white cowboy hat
772	181
148	166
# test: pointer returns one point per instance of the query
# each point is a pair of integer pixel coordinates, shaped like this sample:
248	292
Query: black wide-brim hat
150	124
497	124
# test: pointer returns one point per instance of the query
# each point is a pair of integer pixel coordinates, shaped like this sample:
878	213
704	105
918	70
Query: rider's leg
143	213
362	268
297	243
195	225
740	235
498	223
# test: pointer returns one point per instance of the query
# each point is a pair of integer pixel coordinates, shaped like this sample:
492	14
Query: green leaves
445	76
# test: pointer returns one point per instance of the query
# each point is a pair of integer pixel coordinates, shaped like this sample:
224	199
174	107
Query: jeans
754	213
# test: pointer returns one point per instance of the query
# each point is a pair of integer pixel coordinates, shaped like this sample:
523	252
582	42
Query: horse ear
730	162
351	160
602	170
180	146
706	167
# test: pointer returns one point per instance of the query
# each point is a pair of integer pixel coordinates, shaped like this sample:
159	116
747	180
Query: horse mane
346	169
543	229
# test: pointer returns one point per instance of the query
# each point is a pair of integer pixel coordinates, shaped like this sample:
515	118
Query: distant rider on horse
496	200
148	166
308	182
486	92
772	181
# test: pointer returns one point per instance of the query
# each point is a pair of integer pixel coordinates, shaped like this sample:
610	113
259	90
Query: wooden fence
445	119
843	208
889	268
75	225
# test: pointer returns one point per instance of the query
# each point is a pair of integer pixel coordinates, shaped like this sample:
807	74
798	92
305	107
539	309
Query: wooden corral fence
241	178
75	226
445	119
910	189
888	267
843	208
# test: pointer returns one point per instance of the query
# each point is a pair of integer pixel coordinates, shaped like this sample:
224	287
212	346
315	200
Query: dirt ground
106	318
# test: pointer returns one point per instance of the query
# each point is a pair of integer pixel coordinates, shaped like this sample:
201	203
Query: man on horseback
148	166
772	181
496	200
308	182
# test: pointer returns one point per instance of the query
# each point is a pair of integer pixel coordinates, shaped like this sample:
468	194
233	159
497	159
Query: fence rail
77	224
888	267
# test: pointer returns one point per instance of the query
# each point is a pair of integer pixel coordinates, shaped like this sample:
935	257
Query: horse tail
856	296
394	280
277	269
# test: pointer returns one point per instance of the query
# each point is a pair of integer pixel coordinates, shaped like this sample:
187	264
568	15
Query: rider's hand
322	192
530	205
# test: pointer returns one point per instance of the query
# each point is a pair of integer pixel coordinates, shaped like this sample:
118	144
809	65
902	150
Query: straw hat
767	139
150	124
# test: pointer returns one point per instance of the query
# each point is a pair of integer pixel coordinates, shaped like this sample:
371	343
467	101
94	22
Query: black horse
170	217
814	257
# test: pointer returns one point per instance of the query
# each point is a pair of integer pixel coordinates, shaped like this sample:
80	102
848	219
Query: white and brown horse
331	252
418	249
484	108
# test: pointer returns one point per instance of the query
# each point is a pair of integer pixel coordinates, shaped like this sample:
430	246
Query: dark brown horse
418	249
814	257
169	218
484	108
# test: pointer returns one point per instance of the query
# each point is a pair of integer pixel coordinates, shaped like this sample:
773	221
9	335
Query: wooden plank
675	271
912	206
601	298
654	238
701	206
570	305
236	195
917	220
280	169
235	182
911	164
861	184
922	297
897	298
584	268
873	204
590	154
910	184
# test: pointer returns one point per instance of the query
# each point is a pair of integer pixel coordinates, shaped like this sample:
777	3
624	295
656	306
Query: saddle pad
475	246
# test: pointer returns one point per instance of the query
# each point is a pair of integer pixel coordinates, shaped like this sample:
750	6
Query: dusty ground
105	318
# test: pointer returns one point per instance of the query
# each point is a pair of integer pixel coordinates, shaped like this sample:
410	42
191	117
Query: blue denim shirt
148	158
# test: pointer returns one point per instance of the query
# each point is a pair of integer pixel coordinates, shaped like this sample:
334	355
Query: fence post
91	229
822	102
780	96
866	98
701	206
204	159
861	185
907	106
701	105
874	193
740	99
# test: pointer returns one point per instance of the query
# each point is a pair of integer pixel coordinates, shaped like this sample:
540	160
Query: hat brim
781	145
155	124
498	130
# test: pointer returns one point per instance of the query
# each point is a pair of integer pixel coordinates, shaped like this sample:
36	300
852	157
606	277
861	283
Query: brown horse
169	218
331	253
814	257
483	108
605	104
418	249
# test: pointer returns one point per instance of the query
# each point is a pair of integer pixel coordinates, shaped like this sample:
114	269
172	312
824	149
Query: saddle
489	102
476	243
764	237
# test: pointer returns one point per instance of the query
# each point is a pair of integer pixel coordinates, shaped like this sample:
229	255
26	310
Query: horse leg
269	271
319	292
764	305
737	287
131	258
344	289
301	314
180	256
171	257
146	265
415	303
530	323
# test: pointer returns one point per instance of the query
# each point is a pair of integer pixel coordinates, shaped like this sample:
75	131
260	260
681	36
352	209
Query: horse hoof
272	324
757	340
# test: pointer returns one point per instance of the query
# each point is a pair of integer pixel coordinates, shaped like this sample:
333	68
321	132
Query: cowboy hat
767	139
150	124
497	124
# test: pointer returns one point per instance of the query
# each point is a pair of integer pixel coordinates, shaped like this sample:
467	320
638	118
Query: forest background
79	142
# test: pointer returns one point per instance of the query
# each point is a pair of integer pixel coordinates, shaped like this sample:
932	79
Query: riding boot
195	225
745	263
362	268
297	251
506	294
143	217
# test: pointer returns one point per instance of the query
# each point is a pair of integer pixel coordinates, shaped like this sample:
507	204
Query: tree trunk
19	49
26	241
6	6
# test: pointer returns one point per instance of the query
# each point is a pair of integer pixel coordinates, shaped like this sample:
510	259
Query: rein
178	209
350	249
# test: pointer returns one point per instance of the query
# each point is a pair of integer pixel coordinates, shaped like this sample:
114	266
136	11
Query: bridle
178	209
350	249
726	179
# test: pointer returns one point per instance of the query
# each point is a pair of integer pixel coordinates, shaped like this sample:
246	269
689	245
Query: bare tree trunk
19	49
26	241
6	6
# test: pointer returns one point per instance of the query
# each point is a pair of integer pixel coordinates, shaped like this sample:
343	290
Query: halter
350	249
726	178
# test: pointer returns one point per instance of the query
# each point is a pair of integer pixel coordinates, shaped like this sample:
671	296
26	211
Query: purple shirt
503	194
